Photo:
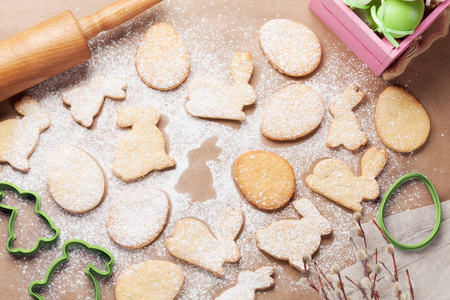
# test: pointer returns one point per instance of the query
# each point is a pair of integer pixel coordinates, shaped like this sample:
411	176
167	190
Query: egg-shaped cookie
75	180
266	179
402	122
293	112
150	280
290	47
162	59
136	219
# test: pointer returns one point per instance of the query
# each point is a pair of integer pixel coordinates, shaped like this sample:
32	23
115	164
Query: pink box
377	53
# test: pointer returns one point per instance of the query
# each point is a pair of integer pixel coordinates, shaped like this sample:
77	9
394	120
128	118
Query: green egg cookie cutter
91	271
14	210
437	204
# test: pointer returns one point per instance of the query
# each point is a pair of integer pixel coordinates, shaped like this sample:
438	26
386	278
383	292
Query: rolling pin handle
113	15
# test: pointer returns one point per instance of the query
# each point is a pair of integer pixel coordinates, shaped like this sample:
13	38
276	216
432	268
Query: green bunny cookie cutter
14	210
91	271
437	205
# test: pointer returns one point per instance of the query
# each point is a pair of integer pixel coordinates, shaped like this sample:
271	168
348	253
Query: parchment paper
427	78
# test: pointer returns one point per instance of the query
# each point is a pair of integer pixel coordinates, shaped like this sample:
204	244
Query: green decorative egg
366	16
401	15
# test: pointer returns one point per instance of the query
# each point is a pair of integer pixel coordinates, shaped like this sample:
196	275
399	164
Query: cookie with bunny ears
19	137
334	179
193	242
345	129
210	98
248	283
85	101
292	239
143	149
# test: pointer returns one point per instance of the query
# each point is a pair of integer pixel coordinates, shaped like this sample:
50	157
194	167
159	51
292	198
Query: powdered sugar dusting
136	219
74	179
290	46
213	32
162	60
294	111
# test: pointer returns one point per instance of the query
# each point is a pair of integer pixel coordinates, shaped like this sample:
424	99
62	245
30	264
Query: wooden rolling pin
57	45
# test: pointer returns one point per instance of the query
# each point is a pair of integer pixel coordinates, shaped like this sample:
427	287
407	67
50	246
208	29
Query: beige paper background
427	78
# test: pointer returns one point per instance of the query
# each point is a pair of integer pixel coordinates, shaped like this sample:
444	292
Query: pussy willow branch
375	276
342	286
358	287
320	270
393	254
307	277
321	284
410	285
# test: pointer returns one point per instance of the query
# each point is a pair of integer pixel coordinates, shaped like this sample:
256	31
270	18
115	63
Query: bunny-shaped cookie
292	239
193	242
345	129
333	179
85	101
210	98
19	137
143	149
248	283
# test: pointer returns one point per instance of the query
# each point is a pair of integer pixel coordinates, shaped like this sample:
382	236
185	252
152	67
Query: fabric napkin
429	267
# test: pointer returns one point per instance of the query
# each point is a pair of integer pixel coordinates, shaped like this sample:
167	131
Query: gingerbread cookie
138	218
193	242
143	149
75	180
85	102
248	283
150	280
210	98
293	112
402	122
345	129
19	137
290	47
162	59
266	179
291	239
333	179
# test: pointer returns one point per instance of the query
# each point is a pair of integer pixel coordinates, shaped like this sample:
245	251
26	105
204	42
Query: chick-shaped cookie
210	98
292	239
345	129
85	101
334	179
193	242
143	149
19	137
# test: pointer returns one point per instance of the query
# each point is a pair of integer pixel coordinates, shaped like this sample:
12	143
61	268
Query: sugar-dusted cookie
75	180
150	280
266	179
162	59
333	179
291	239
248	283
293	112
345	129
136	219
210	98
19	137
402	122
143	149
290	47
85	101
193	242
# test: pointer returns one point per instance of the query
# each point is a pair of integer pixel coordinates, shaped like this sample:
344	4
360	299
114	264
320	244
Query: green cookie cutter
13	211
437	204
91	271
